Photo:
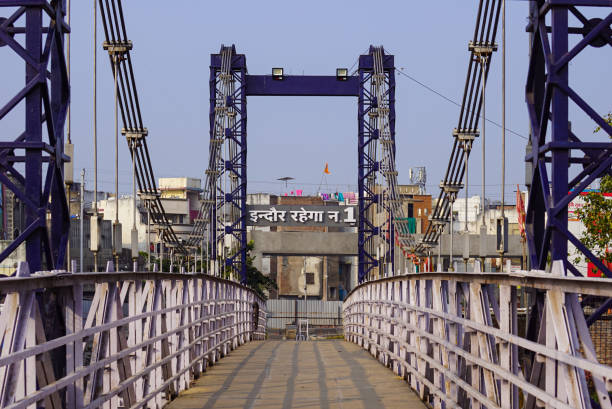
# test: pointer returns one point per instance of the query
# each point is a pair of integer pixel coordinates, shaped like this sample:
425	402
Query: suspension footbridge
412	337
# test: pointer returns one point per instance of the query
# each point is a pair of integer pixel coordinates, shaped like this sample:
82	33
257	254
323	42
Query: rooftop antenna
418	176
286	179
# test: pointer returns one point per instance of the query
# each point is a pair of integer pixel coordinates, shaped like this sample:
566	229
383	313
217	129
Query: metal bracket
134	136
466	134
148	196
451	189
438	222
479	48
117	47
466	137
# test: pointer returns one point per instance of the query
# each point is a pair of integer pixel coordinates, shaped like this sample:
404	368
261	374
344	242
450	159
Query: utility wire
430	89
350	70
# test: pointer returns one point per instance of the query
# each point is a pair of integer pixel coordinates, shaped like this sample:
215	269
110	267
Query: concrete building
9	264
13	224
471	241
474	216
322	259
305	257
88	198
180	198
416	208
107	208
415	205
106	246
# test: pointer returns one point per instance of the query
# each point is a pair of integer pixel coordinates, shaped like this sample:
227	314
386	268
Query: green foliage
608	119
606	184
255	279
596	215
165	266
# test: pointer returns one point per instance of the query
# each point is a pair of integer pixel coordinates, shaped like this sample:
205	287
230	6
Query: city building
324	273
474	215
312	267
180	198
416	205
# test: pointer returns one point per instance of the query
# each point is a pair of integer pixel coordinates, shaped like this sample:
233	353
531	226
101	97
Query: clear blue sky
296	136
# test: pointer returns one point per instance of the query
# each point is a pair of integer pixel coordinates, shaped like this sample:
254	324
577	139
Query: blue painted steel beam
369	166
295	85
46	96
548	94
238	60
560	130
236	165
366	61
302	85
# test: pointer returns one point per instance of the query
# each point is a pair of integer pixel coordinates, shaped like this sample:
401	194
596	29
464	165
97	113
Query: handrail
56	279
537	279
175	325
455	337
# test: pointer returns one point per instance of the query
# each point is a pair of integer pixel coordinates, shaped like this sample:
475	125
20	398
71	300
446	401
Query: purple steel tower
376	117
223	212
228	159
573	162
46	95
548	94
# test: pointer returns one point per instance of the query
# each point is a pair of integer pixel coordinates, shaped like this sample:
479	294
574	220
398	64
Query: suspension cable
470	113
113	22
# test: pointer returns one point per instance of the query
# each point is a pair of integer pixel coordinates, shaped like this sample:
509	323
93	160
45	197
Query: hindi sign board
302	215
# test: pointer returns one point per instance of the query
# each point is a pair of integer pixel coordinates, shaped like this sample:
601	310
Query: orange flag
326	171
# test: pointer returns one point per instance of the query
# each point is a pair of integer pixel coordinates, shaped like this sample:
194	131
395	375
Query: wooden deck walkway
289	374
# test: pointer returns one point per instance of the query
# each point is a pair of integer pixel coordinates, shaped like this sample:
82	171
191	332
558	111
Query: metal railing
119	339
455	338
284	312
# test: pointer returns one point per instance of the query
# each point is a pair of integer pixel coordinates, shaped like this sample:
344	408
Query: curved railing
116	339
460	340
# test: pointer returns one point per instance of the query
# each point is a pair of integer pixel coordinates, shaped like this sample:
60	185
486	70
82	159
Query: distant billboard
578	203
301	215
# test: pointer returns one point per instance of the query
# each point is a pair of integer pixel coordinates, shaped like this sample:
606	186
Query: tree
596	215
608	119
255	279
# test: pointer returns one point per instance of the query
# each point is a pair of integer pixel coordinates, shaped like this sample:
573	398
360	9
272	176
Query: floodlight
277	73
341	74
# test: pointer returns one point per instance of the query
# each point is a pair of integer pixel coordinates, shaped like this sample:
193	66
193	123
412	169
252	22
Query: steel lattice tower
228	161
548	95
46	94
